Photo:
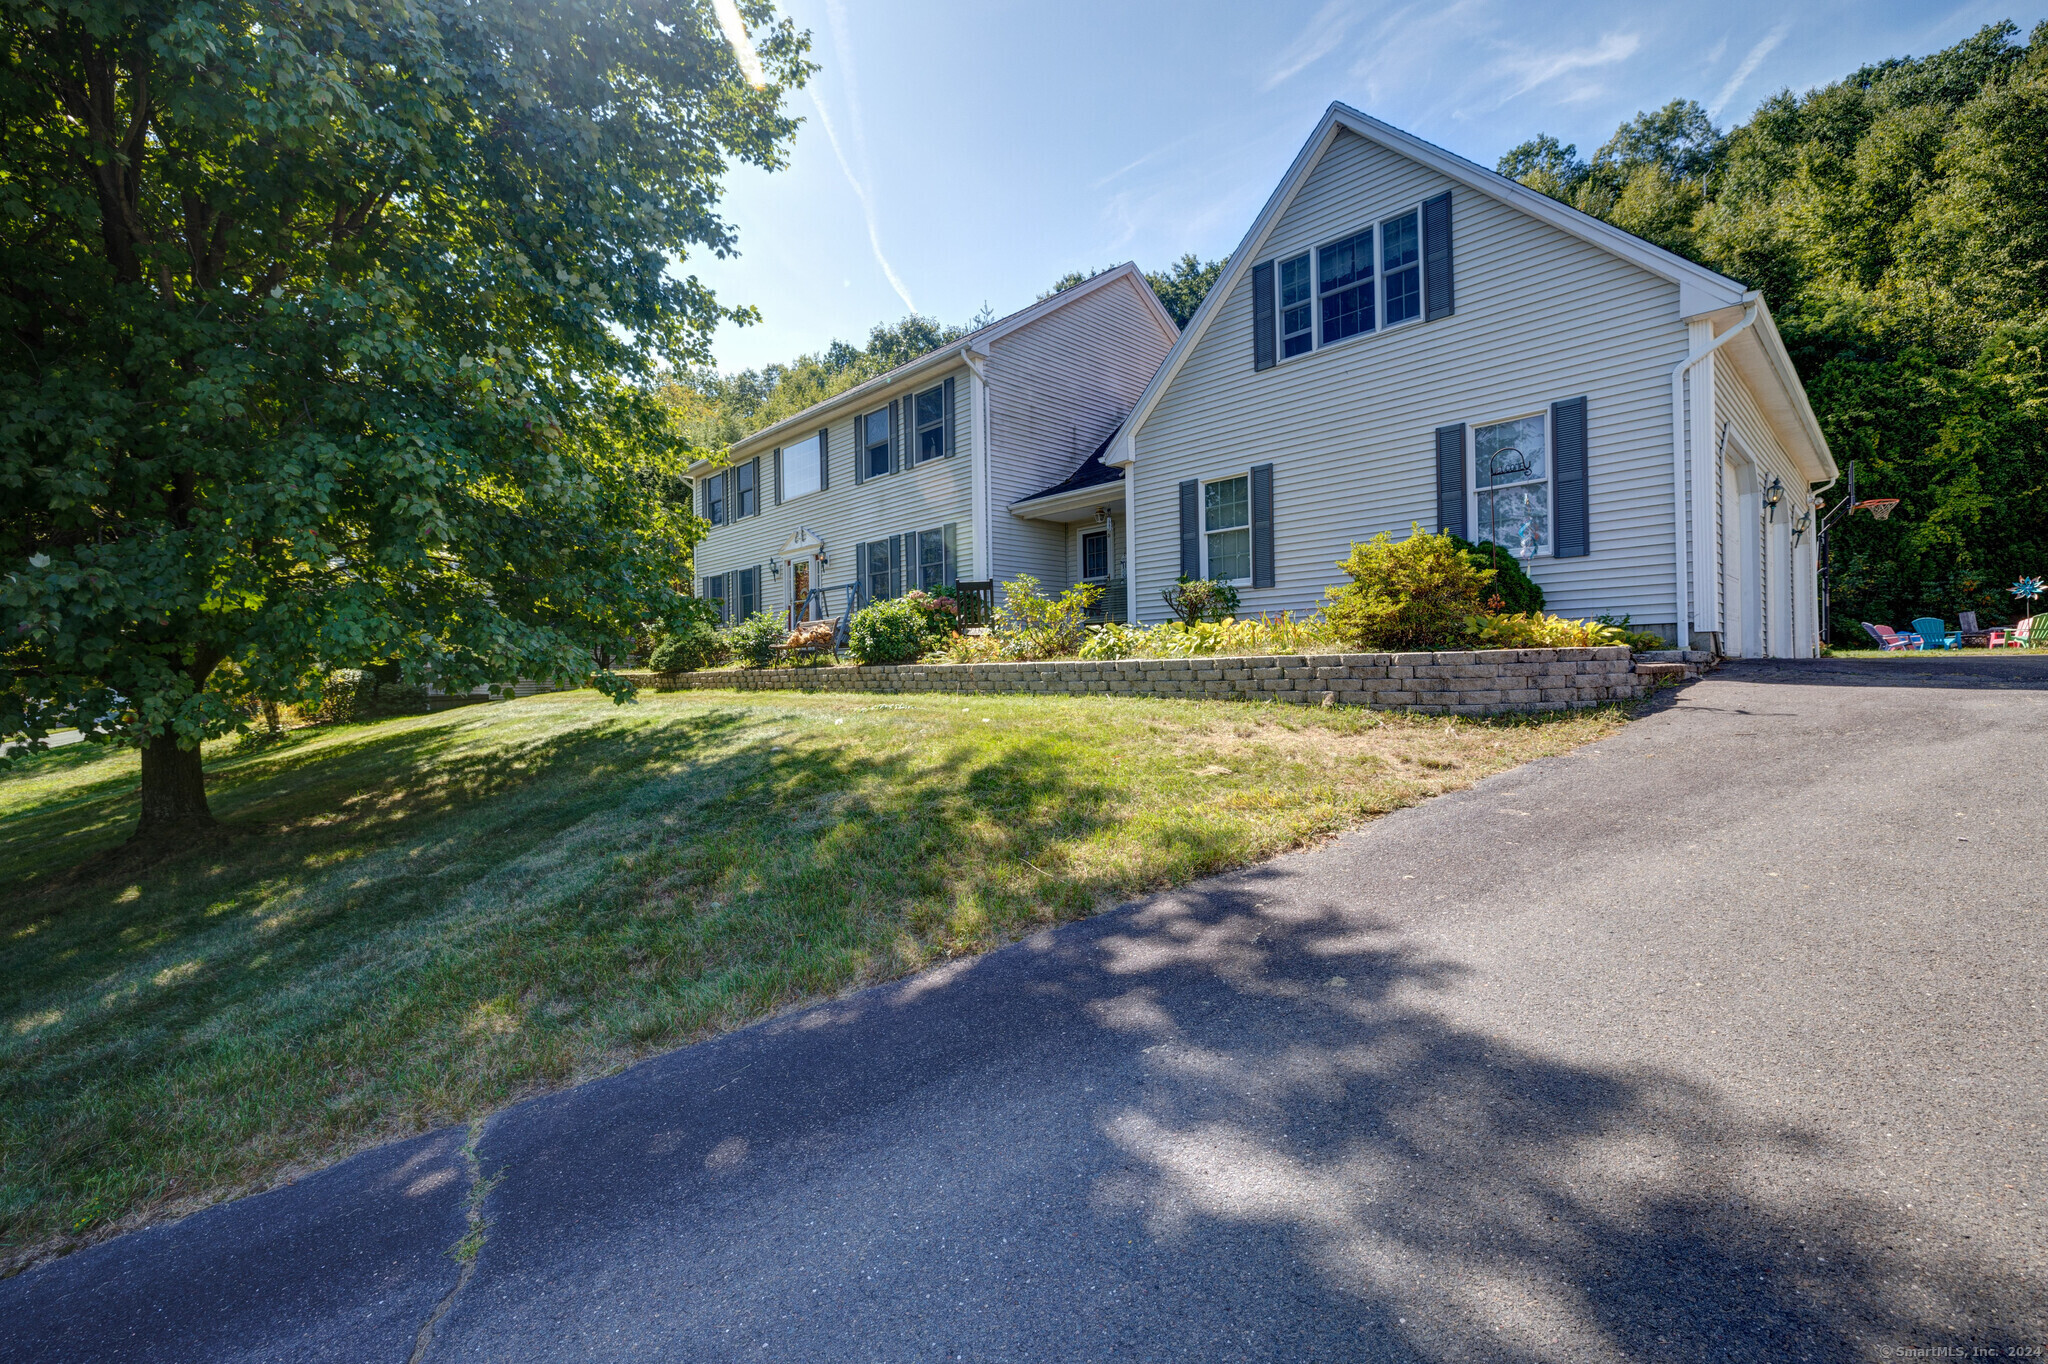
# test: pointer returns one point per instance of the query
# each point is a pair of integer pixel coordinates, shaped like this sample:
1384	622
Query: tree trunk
173	789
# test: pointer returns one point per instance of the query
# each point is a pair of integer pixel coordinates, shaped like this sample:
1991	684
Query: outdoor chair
1888	638
812	639
2019	636
1935	635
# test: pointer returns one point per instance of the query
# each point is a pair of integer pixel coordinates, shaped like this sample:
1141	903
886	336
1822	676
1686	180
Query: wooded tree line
1897	223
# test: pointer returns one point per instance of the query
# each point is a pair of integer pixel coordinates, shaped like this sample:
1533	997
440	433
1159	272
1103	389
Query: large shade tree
322	327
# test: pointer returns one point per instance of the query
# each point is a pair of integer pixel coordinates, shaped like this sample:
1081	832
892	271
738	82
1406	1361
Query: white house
910	479
1404	336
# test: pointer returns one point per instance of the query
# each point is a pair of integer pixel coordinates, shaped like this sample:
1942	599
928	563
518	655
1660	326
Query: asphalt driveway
1722	1037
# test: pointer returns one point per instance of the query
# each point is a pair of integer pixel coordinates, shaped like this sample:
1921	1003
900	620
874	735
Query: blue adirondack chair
1935	635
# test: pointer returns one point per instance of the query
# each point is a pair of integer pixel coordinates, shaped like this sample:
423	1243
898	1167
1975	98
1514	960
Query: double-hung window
1346	279
1095	554
879	554
1511	480
802	468
1401	268
931	559
714	592
745	495
1297	307
1227	528
874	430
749	600
716	497
930	427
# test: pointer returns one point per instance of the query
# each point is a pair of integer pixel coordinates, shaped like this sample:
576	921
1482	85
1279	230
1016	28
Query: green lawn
412	922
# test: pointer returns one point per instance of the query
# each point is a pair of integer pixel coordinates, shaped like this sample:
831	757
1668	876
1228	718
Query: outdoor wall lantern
774	570
1773	495
1799	528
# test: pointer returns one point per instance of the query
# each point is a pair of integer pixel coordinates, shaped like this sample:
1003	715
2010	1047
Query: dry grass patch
423	919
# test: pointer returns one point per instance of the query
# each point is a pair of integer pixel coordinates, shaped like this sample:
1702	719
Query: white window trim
1201	514
1549	472
1380	256
1381	327
783	474
862	444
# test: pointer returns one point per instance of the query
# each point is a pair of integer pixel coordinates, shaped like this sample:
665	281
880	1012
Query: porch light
1799	528
1773	495
774	570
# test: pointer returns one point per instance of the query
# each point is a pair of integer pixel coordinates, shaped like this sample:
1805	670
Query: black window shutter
724	490
898	416
704	498
1438	296
778	475
1190	529
732	593
760	504
1568	439
860	449
896	549
824	457
860	565
1262	525
1450	479
1264	347
949	419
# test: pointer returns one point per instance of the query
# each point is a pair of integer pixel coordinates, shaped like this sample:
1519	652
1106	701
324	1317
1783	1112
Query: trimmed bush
691	641
1422	593
896	631
1518	593
1031	625
1194	600
754	640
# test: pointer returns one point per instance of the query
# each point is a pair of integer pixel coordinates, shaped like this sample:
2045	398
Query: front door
800	590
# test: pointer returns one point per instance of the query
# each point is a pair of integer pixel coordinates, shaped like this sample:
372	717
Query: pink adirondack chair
1888	638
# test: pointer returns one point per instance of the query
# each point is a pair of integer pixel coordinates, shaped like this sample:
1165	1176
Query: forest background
1895	220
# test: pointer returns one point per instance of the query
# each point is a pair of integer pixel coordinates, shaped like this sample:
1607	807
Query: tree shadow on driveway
1215	1125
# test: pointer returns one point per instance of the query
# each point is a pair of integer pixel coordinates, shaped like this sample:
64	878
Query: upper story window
1401	268
1511	481
802	468
929	425
1345	271
1297	306
745	495
714	497
874	443
1227	528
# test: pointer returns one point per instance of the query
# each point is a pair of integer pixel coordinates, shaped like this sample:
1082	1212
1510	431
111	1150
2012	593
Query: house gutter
1680	443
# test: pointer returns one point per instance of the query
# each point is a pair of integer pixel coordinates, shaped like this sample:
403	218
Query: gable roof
1700	290
976	342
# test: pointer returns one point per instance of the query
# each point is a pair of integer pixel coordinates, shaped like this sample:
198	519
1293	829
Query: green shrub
896	631
1422	593
1030	624
1641	641
690	642
1193	600
1534	630
754	640
1114	640
1519	595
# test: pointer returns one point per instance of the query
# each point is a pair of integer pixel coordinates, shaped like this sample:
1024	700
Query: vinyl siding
920	497
1057	388
1350	428
1790	578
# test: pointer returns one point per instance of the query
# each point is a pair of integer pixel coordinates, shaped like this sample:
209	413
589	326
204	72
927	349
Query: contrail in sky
1748	68
867	206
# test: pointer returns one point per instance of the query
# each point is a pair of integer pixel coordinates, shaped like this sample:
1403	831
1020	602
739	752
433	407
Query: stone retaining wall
1482	682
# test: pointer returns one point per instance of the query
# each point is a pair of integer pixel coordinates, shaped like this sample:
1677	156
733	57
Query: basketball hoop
1879	508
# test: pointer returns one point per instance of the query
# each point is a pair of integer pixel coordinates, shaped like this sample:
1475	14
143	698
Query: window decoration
1511	475
1227	527
1345	270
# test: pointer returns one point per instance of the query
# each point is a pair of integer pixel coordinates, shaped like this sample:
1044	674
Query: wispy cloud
1316	41
867	205
735	30
1748	68
1516	74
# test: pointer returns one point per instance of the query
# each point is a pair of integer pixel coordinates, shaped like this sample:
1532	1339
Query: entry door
799	589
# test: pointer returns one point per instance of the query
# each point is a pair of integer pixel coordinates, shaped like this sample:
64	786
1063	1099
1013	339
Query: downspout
1679	443
984	530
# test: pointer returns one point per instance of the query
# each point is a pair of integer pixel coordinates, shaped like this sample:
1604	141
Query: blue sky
961	154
